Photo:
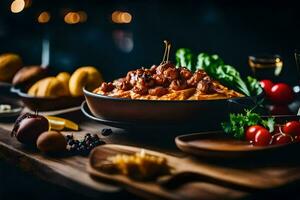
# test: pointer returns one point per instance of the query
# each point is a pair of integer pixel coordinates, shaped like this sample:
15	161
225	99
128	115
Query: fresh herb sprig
239	122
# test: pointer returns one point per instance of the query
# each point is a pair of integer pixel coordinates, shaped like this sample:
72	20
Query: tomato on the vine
266	85
292	128
262	137
281	138
251	132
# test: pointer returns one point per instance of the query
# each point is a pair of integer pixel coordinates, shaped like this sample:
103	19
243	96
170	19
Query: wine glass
266	66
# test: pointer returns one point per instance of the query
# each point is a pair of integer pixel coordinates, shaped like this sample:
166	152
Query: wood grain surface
71	171
247	179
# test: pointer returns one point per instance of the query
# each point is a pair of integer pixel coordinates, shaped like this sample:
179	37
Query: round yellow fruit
88	77
9	65
48	87
64	77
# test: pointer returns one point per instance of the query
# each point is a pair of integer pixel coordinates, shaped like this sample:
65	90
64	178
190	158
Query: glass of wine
266	66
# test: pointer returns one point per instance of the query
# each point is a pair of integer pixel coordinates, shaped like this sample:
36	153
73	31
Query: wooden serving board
244	179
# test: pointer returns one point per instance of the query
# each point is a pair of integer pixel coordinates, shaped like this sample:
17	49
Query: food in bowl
28	75
65	84
166	82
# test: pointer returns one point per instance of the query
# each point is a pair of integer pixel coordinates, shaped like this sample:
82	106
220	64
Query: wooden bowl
47	103
217	144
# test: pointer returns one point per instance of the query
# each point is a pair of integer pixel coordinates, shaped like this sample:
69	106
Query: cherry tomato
251	132
262	137
292	128
281	138
281	93
266	85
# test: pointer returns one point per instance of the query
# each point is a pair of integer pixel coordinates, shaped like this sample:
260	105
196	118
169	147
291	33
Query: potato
9	65
51	142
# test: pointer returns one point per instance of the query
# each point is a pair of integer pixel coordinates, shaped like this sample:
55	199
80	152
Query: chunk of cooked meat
107	87
178	85
185	73
197	76
122	84
142	90
171	73
162	67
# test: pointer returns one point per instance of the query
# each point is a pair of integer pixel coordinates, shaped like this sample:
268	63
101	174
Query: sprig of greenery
239	122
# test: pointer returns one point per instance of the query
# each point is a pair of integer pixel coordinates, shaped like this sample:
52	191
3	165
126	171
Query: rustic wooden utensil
188	169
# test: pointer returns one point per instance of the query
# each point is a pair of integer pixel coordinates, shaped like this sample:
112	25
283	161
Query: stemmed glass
266	66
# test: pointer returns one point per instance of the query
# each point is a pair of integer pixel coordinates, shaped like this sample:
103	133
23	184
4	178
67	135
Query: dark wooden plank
71	172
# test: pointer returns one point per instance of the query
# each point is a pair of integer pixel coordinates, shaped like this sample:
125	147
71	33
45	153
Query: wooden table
70	171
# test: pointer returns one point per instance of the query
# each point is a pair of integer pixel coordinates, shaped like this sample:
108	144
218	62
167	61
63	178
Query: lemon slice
56	125
58	122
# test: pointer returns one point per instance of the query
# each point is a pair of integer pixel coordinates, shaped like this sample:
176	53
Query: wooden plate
218	145
47	103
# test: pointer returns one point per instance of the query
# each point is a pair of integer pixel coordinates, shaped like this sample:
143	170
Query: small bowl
47	103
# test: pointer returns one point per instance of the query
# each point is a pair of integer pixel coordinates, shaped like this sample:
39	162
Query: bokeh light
75	17
44	17
120	17
83	16
72	18
17	6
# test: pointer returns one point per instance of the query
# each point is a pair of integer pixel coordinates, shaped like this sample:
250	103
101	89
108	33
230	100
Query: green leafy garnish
239	122
184	57
216	68
254	86
226	74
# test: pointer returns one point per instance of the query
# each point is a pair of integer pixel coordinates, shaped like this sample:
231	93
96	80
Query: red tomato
262	137
266	85
251	132
281	93
292	128
281	138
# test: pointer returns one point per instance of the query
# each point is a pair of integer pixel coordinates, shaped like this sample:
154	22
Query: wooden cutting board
243	179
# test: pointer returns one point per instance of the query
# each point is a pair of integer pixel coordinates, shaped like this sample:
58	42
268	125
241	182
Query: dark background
232	29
